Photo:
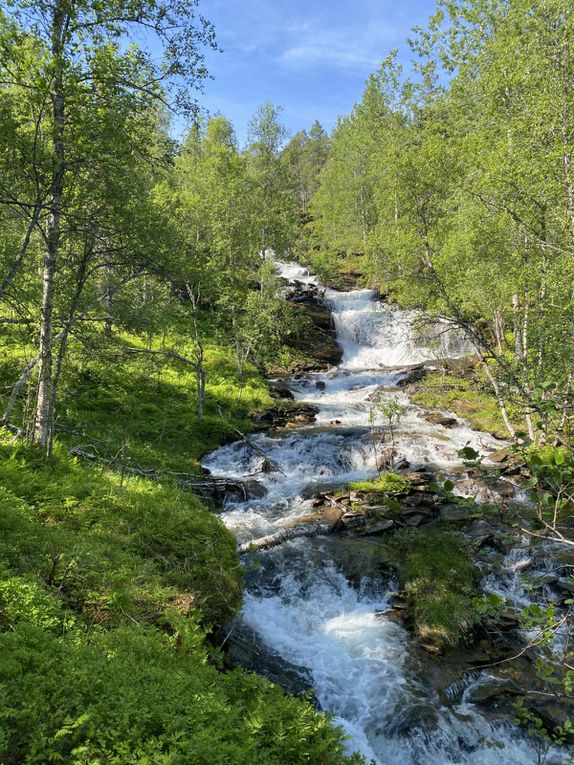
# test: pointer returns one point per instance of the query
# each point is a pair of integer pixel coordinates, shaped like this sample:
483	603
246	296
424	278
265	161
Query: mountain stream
300	603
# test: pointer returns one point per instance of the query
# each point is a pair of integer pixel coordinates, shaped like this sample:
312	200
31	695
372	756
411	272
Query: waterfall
337	632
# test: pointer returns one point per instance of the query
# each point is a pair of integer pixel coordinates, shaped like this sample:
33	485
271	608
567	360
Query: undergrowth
108	586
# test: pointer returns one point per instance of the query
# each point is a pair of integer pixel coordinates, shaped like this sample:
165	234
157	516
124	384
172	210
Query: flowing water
359	662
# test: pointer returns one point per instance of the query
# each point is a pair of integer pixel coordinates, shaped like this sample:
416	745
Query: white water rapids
358	660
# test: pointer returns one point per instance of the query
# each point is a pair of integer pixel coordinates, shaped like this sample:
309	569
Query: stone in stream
436	418
280	389
411	374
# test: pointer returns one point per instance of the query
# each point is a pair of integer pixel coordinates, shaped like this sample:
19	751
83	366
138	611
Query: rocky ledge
320	343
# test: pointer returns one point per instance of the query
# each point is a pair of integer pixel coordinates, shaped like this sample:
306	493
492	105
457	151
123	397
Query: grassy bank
468	396
110	583
107	589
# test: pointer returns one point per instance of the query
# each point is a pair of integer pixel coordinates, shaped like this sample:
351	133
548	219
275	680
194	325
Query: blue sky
311	57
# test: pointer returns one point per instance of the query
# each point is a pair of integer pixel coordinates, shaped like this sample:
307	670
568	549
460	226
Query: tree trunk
23	249
199	368
43	420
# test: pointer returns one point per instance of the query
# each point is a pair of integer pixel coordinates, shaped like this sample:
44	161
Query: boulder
412	374
280	389
436	418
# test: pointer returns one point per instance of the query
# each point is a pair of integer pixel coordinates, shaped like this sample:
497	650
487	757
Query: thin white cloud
352	46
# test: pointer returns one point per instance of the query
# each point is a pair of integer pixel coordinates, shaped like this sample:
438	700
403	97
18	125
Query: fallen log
286	535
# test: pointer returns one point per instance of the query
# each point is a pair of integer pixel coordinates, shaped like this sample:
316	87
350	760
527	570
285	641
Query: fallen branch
285	535
260	451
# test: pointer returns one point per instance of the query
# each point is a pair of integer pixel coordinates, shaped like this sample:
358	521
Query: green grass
469	398
439	580
385	484
107	588
141	408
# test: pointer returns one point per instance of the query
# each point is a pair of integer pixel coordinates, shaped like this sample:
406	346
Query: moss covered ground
110	584
467	396
438	578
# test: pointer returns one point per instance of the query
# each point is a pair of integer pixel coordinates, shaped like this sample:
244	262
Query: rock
436	418
378	528
265	466
412	374
320	385
411	718
481	531
489	691
280	389
565	584
320	315
244	648
413	500
499	456
414	520
279	417
254	489
418	477
522	565
332	517
453	513
402	464
352	521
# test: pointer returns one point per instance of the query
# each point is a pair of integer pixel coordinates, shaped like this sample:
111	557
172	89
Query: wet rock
244	648
436	418
320	315
352	521
418	478
223	490
320	385
523	565
413	500
413	374
416	717
279	417
414	520
402	464
481	532
266	466
565	584
491	691
475	487
280	389
254	489
332	517
379	527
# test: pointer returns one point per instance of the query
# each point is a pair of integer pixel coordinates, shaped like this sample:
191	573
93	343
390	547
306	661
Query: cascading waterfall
357	659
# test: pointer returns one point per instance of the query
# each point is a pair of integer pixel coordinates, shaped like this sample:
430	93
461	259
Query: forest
143	315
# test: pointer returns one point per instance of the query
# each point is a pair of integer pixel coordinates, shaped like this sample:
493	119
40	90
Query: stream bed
333	630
